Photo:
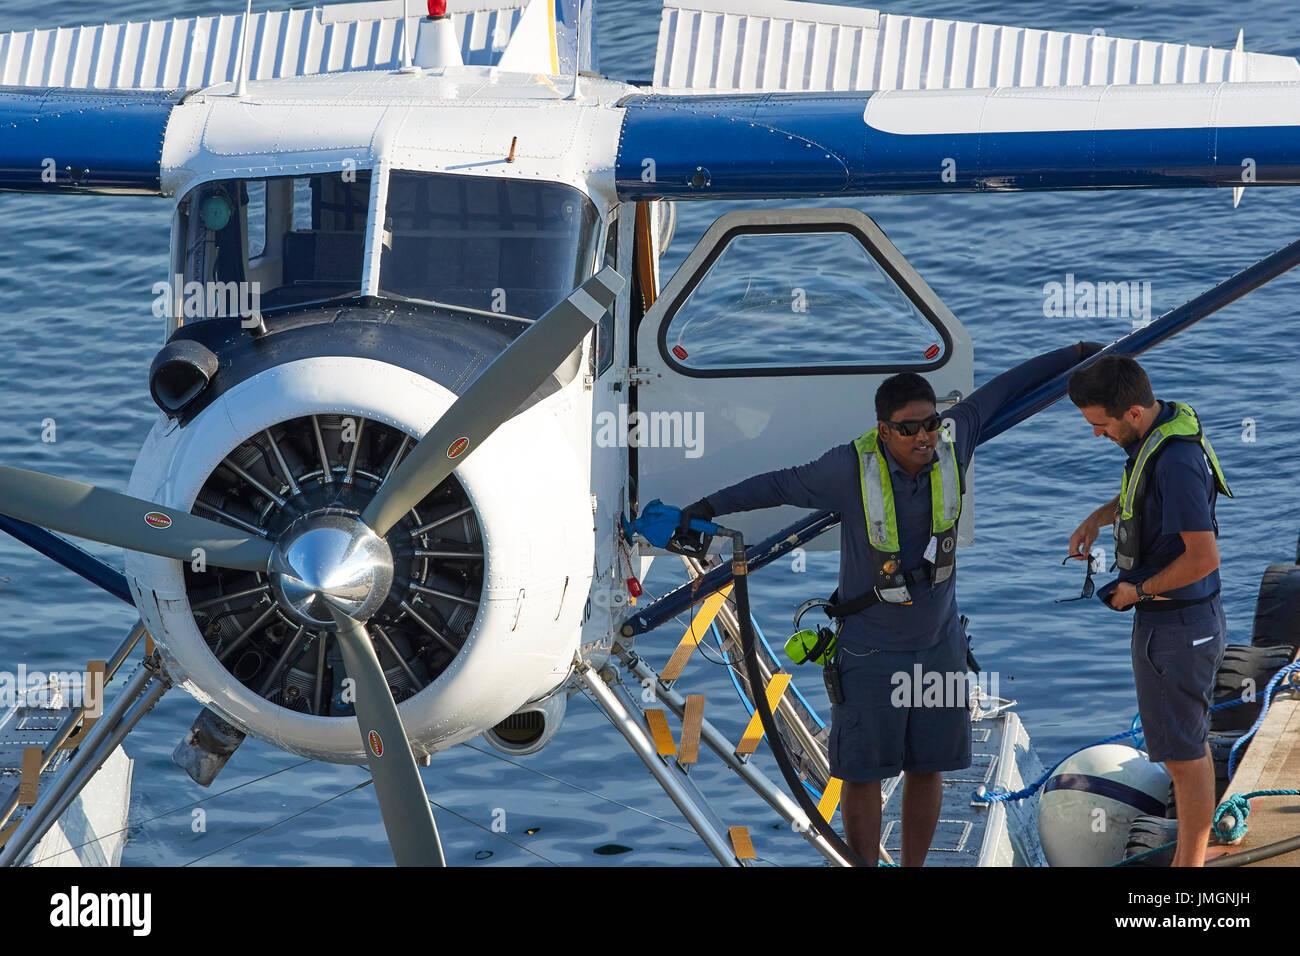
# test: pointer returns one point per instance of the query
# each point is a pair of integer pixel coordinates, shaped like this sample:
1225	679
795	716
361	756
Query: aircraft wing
777	99
85	109
107	141
750	46
200	52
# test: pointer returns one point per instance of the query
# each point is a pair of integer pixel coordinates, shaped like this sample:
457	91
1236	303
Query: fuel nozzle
661	525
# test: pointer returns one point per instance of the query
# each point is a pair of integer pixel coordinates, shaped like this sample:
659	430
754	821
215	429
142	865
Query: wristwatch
1143	597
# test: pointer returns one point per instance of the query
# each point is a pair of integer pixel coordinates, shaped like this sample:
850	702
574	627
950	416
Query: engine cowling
486	608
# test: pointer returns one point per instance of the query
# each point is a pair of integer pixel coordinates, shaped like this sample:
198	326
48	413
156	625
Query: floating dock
1272	762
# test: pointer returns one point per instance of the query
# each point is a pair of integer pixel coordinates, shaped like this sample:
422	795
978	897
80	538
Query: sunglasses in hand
1089	588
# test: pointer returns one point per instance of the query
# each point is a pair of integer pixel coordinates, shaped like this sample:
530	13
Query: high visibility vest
1184	426
882	522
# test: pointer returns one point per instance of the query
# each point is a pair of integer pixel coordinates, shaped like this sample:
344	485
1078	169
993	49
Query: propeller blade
97	514
403	803
492	398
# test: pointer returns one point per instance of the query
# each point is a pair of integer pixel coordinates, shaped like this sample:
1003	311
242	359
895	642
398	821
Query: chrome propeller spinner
330	559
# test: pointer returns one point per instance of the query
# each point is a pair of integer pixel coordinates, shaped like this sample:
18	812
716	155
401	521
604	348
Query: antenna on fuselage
577	52
241	81
406	34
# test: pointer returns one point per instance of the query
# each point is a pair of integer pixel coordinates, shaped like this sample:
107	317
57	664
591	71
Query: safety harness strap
863	601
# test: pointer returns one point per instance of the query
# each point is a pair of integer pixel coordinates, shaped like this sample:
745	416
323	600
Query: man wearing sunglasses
898	491
1168	561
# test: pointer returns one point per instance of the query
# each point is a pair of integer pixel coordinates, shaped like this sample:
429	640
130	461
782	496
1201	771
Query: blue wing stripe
811	145
71	140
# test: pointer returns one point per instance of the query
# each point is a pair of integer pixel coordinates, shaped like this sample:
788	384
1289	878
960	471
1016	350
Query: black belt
863	601
1174	604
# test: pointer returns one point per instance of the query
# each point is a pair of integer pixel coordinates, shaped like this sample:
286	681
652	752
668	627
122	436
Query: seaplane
422	376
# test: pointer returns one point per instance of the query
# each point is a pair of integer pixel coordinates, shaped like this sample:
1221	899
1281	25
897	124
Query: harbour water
76	279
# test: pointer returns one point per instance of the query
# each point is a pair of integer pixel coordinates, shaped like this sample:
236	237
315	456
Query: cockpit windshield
274	242
497	245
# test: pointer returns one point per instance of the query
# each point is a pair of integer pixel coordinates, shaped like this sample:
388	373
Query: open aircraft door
766	349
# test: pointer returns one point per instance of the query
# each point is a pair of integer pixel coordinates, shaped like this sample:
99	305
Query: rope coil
1230	817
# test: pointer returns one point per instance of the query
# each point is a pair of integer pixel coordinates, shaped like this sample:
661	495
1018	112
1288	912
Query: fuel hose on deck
775	741
661	525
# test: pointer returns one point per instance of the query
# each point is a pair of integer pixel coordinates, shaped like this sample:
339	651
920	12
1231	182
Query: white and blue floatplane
412	249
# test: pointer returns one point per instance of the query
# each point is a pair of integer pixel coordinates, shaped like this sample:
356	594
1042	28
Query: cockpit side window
262	244
604	352
323	254
255	216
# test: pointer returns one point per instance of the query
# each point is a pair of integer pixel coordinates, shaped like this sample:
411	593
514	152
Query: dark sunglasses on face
1088	586
914	425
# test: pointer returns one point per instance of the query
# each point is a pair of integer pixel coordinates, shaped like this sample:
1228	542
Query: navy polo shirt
1180	496
833	483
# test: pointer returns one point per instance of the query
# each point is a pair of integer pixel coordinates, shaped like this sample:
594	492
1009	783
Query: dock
1272	762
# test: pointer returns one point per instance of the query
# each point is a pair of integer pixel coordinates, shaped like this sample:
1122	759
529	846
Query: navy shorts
1175	657
902	710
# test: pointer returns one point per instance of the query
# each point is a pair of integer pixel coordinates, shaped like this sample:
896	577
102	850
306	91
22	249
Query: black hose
1257	854
756	687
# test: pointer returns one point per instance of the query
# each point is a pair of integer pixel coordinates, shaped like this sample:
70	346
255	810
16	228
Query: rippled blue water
75	280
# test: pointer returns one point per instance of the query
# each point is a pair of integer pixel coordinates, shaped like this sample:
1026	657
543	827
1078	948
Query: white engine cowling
532	507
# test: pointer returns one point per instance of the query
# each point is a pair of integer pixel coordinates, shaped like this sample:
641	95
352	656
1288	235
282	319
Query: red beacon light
436	43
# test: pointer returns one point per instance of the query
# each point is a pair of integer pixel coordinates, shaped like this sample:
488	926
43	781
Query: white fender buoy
1090	801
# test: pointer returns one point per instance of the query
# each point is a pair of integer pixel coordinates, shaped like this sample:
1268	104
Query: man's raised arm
814	485
984	403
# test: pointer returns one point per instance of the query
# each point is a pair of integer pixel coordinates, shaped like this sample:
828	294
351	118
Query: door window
793	302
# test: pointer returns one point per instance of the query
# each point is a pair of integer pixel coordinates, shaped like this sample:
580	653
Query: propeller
134	524
329	572
403	803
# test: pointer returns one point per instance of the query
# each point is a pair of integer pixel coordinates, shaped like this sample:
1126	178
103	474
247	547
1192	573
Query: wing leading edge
107	141
806	145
